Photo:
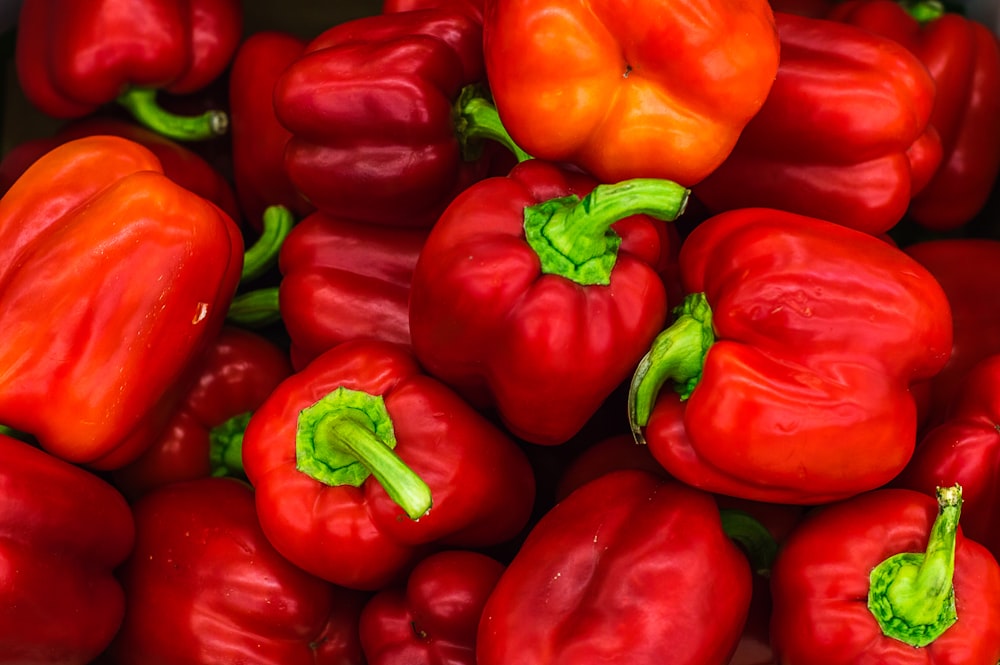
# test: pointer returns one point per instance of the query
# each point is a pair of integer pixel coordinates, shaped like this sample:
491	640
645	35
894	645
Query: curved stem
141	103
758	543
924	11
255	309
225	450
476	119
262	255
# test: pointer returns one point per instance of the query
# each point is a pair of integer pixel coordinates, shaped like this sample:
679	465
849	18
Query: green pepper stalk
142	104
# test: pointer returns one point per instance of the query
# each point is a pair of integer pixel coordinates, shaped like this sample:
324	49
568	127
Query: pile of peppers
501	332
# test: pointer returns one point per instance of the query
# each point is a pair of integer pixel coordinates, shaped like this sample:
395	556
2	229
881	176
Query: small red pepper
535	301
433	619
74	56
885	577
110	290
63	531
203	585
360	463
844	134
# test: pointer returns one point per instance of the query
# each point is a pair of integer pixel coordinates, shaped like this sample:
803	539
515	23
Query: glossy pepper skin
203	585
433	619
963	57
546	344
626	569
792	358
894	551
344	280
160	275
638	93
74	56
436	473
63	531
258	139
844	135
204	437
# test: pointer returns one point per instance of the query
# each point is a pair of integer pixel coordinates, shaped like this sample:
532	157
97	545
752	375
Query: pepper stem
347	436
141	103
255	309
924	11
677	354
911	594
757	542
572	236
262	255
225	450
476	119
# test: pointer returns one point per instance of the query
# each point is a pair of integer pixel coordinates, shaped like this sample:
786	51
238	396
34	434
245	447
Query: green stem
572	236
911	594
260	257
226	446
924	11
141	103
347	436
677	354
476	119
255	309
758	543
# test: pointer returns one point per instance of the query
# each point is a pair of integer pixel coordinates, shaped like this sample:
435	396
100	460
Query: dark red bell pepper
476	7
74	56
205	435
203	585
361	463
785	373
258	139
963	57
433	619
385	126
629	568
63	531
885	577
534	301
844	134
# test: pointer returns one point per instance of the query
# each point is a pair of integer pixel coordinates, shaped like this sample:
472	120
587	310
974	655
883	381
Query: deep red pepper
203	585
530	300
897	555
205	435
361	463
63	531
433	619
963	57
476	7
258	139
74	56
844	134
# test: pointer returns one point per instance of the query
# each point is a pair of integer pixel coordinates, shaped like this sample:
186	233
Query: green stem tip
476	120
142	104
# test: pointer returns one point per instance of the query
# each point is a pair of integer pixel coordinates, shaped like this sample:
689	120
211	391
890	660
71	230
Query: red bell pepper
964	448
386	122
792	359
205	435
63	531
203	585
577	304
74	56
361	463
476	7
94	356
433	619
885	577
627	569
258	139
636	93
844	135
182	165
963	57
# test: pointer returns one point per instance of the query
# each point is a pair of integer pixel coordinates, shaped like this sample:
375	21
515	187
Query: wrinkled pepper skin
63	531
856	161
633	93
543	347
160	276
433	619
203	585
479	483
629	568
344	280
802	338
258	139
205	435
370	103
963	57
822	580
